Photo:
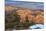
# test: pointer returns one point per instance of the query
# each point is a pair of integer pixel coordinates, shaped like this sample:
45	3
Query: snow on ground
37	26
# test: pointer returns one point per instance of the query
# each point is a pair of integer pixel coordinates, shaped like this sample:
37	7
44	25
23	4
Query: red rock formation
22	12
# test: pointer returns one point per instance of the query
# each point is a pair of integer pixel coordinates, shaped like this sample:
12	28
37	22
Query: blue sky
32	5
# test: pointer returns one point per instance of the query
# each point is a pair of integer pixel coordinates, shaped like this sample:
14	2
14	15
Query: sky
31	5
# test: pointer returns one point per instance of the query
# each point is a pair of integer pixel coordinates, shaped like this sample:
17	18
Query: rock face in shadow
23	13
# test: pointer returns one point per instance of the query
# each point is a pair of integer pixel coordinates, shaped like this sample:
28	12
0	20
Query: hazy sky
32	5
